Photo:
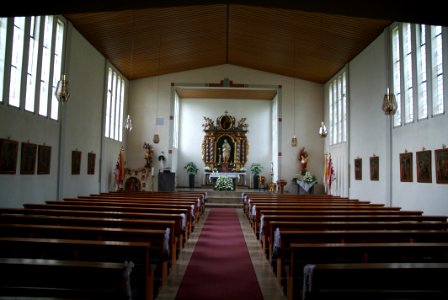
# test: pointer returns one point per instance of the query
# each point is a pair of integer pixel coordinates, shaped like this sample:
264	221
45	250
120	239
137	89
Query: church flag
325	172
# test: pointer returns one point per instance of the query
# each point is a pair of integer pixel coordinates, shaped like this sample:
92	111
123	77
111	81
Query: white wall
371	133
192	111
308	105
369	125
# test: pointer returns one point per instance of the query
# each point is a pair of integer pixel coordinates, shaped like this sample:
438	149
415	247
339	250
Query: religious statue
226	148
162	161
208	123
148	154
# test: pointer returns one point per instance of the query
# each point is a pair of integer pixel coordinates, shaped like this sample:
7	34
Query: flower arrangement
308	178
224	183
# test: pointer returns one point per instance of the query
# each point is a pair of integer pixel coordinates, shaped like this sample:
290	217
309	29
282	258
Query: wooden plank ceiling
159	40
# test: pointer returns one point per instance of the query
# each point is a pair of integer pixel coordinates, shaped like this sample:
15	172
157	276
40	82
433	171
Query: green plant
191	168
224	183
256	168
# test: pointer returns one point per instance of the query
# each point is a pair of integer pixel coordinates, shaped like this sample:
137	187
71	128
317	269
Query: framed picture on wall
358	168
441	165
374	168
43	159
91	163
406	167
76	162
28	158
423	162
8	156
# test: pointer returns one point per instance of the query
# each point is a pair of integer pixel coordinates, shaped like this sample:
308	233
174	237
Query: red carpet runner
220	266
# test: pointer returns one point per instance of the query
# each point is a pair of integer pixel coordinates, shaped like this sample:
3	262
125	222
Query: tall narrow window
396	71
3	33
421	72
437	70
330	114
116	91
57	67
417	66
46	66
108	103
337	96
32	64
407	69
16	61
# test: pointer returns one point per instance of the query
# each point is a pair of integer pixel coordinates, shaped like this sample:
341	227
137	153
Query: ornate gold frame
225	128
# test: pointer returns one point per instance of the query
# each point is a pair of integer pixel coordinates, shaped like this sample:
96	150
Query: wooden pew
96	222
118	209
202	196
267	219
181	204
303	254
64	279
179	231
370	281
351	236
160	250
366	225
142	284
332	211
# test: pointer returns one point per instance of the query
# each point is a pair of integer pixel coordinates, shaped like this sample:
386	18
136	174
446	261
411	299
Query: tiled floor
266	278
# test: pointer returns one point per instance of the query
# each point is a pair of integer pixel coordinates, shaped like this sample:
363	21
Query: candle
152	171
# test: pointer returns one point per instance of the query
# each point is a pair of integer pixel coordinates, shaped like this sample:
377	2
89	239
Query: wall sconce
389	103
128	124
323	130
62	91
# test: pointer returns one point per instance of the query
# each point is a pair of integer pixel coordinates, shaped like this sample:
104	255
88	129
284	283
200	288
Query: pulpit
281	184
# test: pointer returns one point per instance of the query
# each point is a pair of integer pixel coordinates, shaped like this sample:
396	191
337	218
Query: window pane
32	64
120	117
108	103
3	31
396	73
344	108
437	70
46	61
16	61
408	84
57	71
114	99
421	72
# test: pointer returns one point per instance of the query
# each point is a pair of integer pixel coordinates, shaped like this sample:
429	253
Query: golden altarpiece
225	147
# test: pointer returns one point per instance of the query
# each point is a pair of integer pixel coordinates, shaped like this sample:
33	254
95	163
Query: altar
238	177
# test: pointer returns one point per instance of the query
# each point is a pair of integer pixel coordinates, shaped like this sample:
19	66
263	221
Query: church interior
267	125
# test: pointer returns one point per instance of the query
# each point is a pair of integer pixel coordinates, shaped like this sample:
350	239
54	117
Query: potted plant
192	170
256	169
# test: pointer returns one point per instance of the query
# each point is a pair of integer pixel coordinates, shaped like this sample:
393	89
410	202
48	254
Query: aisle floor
265	276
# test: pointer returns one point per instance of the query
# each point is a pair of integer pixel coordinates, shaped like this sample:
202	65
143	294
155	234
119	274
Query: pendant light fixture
62	91
128	124
294	138
389	103
156	137
323	130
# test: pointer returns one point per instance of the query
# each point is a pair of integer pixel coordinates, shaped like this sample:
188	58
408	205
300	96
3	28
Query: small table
208	176
281	184
305	187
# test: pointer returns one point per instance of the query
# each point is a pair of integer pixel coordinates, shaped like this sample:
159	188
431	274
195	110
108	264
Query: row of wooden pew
115	245
323	247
